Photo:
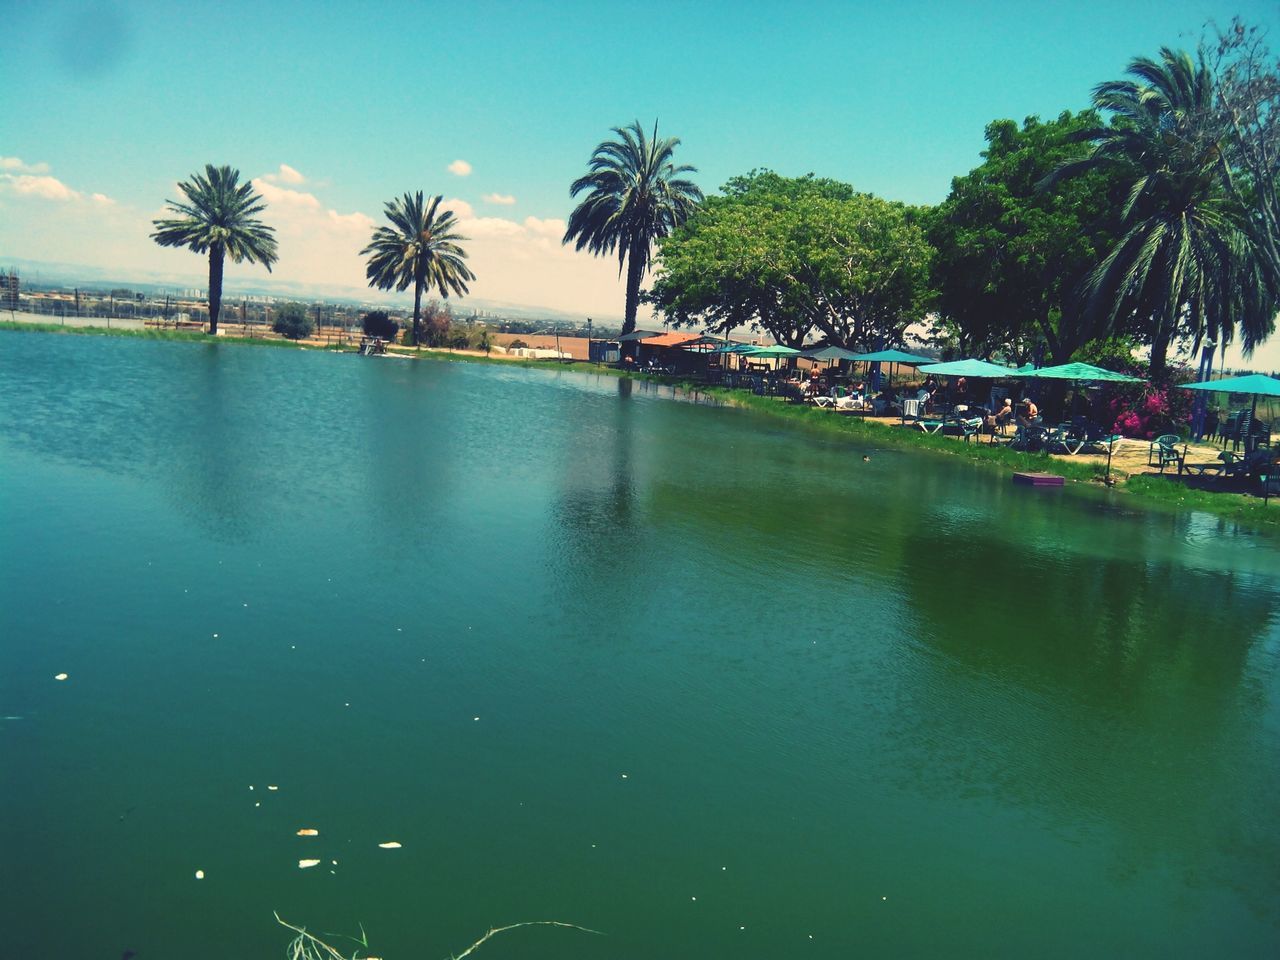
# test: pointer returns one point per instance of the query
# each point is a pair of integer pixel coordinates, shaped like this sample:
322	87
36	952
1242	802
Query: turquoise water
710	686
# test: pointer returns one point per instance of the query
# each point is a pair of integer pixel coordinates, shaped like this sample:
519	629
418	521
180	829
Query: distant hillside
42	273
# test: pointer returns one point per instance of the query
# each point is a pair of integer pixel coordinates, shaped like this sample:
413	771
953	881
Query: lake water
709	685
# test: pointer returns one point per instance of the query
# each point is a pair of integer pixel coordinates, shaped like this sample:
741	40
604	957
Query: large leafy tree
1186	262
635	195
1247	88
420	249
1010	256
219	217
788	255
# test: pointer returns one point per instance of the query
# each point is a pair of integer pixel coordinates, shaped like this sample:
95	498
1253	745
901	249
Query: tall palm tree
635	196
419	248
1184	248
218	218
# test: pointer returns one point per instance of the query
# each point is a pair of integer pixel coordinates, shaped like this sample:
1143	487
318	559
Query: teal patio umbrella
777	350
967	368
891	356
829	353
1256	384
1084	373
1081	372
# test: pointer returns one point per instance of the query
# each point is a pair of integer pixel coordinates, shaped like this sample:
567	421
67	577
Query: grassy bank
148	334
1154	491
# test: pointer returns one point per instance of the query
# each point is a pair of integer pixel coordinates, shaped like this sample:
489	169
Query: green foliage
378	323
1111	353
788	255
419	249
1010	255
1187	262
293	321
635	194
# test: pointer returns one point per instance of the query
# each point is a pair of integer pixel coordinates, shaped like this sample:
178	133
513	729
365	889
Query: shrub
292	321
377	323
516	345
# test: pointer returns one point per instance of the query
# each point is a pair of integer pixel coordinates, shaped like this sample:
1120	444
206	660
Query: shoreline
1155	491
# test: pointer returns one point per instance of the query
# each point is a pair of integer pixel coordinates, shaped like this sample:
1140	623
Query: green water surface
713	687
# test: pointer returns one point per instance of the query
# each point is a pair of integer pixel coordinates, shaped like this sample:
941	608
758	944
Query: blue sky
365	101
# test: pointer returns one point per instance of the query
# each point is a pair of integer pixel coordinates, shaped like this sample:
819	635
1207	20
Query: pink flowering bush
1153	411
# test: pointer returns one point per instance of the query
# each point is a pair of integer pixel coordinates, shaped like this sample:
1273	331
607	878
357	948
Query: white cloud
285	196
460	168
460	208
46	188
16	165
519	261
545	228
286	174
504	199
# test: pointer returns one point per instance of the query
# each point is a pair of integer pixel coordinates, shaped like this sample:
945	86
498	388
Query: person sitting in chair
1029	413
997	420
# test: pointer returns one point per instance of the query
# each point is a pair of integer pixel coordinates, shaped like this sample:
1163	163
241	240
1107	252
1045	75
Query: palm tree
635	195
218	218
1184	249
419	248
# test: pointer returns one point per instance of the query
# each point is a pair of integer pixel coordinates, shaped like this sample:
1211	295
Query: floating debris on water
272	786
308	832
390	845
60	676
199	874
304	864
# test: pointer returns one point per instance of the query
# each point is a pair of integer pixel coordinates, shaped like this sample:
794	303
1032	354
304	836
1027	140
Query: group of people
1024	413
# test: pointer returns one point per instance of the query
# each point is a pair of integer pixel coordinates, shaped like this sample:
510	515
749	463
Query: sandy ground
1129	458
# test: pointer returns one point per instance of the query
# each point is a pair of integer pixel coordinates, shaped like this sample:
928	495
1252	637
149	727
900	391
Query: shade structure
1254	383
777	350
967	368
703	344
1084	372
639	335
737	348
891	356
829	353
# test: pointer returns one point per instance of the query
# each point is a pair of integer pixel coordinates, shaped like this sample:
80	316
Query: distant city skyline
333	111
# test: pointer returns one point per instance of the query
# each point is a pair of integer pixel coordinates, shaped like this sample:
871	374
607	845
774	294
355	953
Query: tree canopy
1010	255
791	255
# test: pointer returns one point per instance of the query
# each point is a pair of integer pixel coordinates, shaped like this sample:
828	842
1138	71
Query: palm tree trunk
635	267
1159	353
417	309
216	255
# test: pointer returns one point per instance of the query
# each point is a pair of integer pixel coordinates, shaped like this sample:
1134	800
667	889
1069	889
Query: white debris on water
305	864
390	845
199	874
60	676
272	786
